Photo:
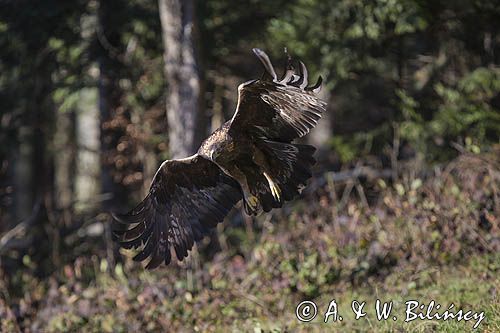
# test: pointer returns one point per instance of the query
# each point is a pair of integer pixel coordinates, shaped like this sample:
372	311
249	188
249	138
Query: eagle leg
252	204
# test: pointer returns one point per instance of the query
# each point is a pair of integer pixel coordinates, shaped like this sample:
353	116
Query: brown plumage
251	157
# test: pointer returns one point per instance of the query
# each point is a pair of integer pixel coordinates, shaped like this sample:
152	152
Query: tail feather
290	169
291	163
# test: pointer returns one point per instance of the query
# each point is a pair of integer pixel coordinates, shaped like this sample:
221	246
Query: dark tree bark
41	119
109	92
182	73
22	173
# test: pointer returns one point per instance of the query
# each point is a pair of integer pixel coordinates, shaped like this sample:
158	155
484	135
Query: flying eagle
251	157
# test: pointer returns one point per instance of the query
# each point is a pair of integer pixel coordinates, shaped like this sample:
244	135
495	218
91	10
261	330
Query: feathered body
251	157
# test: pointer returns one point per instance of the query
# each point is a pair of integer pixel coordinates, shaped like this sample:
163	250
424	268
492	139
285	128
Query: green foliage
411	64
465	110
341	37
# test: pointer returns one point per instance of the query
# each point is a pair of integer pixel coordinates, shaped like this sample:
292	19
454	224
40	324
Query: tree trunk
64	143
42	159
182	74
88	167
105	87
109	101
22	169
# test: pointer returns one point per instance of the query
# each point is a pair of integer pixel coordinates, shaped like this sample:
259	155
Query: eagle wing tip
257	51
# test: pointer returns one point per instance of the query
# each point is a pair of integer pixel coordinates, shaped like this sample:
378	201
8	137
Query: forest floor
144	305
423	238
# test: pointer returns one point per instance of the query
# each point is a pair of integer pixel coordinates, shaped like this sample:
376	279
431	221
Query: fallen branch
10	239
356	174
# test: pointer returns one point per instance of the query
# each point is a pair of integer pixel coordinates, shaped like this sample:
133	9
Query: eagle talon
275	189
252	202
276	192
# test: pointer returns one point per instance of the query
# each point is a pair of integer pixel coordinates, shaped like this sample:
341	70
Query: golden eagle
251	157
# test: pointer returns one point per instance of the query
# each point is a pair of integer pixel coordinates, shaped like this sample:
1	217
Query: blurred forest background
404	202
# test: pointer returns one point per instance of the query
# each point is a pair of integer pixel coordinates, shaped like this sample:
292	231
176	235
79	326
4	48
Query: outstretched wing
278	109
187	198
